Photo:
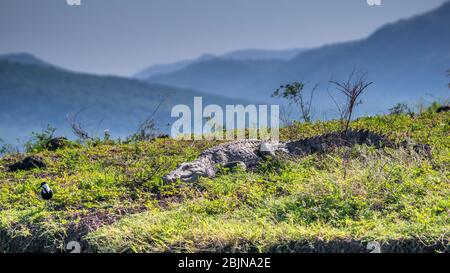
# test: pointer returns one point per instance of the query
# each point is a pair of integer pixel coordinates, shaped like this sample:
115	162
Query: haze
121	37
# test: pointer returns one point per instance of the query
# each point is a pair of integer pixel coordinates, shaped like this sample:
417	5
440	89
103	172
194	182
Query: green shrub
401	109
40	140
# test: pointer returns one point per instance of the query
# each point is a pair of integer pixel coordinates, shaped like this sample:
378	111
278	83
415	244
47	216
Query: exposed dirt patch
28	163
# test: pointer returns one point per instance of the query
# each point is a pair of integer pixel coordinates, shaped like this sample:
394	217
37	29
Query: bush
40	140
6	148
401	109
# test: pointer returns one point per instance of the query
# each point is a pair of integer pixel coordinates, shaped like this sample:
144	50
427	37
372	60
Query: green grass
111	197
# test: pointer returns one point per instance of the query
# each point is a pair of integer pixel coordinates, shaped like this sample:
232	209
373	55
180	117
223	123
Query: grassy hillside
110	196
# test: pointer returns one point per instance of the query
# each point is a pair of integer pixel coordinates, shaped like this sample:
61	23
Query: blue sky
122	36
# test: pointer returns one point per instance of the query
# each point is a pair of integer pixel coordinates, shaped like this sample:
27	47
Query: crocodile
246	151
249	153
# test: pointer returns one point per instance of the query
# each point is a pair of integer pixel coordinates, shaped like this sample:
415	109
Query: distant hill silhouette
240	55
160	69
34	95
262	54
23	58
406	60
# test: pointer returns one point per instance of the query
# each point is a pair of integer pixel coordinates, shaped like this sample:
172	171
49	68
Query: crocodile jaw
190	172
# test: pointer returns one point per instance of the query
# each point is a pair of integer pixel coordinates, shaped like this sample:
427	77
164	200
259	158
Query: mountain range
406	60
238	55
34	93
24	58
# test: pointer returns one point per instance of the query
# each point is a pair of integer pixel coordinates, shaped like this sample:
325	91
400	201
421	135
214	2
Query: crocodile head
190	172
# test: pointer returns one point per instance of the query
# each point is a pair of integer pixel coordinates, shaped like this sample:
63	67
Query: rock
57	143
28	163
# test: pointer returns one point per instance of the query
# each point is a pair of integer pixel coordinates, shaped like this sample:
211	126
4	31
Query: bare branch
352	89
76	126
147	129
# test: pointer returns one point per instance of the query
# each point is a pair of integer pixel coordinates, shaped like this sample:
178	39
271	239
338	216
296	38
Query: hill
160	69
110	197
24	58
262	54
240	55
32	96
406	60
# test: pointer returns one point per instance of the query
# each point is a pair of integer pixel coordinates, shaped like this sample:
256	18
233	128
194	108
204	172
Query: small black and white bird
46	192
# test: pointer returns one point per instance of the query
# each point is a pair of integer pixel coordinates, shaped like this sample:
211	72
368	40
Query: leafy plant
295	93
40	140
401	109
6	148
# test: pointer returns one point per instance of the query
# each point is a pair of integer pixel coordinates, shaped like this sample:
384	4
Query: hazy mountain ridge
32	96
262	54
406	60
238	55
24	58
